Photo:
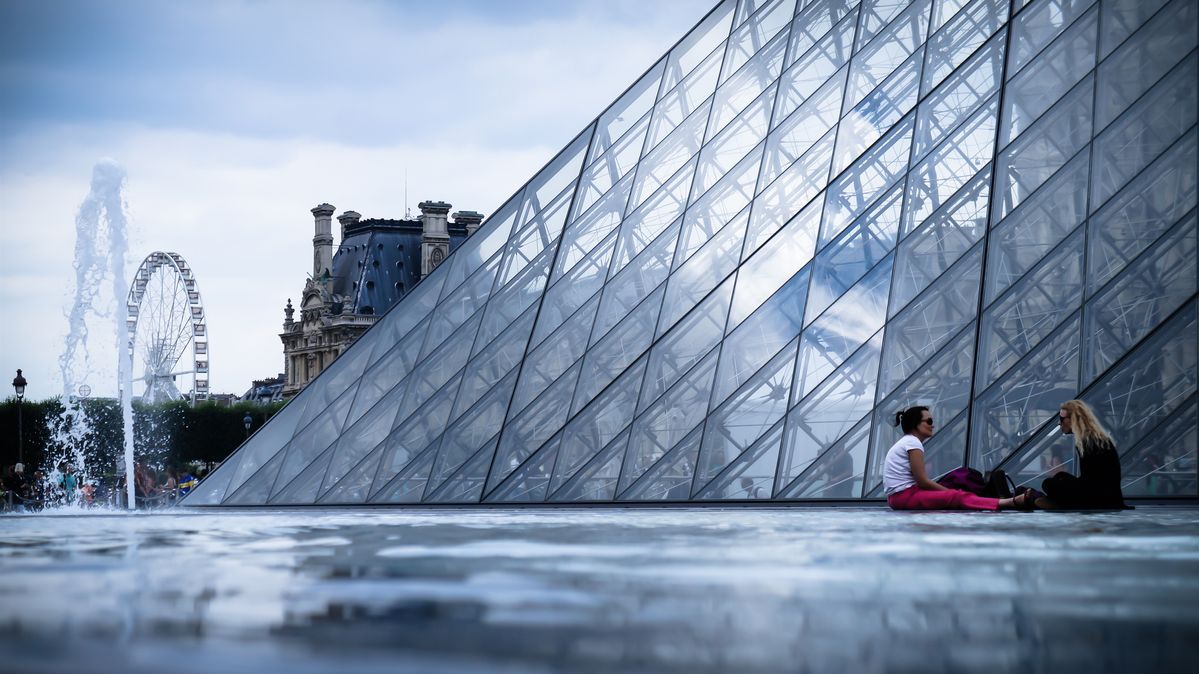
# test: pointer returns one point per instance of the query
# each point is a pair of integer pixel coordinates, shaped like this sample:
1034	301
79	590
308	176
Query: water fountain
101	245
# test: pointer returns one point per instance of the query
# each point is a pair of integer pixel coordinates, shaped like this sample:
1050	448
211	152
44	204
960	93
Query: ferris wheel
165	318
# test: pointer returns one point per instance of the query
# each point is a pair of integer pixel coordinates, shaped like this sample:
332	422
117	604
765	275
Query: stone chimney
322	242
435	234
470	219
348	219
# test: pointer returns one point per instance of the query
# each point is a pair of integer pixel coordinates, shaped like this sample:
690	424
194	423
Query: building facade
803	218
375	264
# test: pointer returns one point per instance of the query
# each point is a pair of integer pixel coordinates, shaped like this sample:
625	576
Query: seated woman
1097	484
907	484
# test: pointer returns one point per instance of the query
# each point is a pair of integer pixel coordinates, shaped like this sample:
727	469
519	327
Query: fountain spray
103	203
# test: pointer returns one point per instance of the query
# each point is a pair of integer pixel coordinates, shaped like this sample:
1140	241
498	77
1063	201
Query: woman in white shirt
906	481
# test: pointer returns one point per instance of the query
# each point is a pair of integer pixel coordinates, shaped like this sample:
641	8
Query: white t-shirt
897	469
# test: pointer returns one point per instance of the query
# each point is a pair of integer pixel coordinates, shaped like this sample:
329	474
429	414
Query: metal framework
166	320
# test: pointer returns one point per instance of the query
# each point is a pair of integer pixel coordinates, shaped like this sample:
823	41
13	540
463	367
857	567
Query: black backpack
998	485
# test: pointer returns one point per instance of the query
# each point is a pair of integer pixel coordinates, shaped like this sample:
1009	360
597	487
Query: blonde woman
1097	484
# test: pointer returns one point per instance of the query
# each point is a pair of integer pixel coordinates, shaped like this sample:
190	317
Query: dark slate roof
379	260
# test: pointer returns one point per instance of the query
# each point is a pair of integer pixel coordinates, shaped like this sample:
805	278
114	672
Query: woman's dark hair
909	419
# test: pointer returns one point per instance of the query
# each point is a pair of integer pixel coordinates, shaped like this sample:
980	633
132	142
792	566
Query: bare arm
916	460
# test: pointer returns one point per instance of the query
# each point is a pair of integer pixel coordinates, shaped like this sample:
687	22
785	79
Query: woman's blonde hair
1086	428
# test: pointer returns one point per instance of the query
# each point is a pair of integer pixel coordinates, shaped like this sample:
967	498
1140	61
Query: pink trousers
915	498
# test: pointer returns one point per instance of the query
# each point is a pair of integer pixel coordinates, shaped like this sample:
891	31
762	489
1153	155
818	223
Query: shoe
1026	501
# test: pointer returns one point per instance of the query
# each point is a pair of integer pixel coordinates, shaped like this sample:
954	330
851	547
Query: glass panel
1049	77
611	167
668	420
1151	384
1037	26
304	488
408	486
314	438
950	166
1163	463
1019	320
949	48
924	327
698	44
626	111
804	128
771	327
635	282
842	329
735	425
387	372
1037	226
556	180
741	89
416	433
670	478
467	485
815	67
1144	210
1146	130
941	240
737	139
470	432
1039	152
1122	17
266	443
480	247
787	195
750	37
1008	413
667	158
609	357
355	486
463	303
832	409
1148	291
855	252
683	346
876	14
654	216
592	228
417	303
511	302
548	361
751	475
944	109
361	438
523	433
495	361
716	209
877	113
1149	55
436	370
686	98
530	482
534	240
565	297
839	471
892	47
816	20
767	271
597	480
851	193
256	489
597	425
700	275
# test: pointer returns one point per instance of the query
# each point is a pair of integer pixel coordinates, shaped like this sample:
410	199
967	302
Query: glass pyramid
804	217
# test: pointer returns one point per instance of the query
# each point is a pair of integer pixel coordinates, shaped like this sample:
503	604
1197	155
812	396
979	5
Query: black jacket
1097	484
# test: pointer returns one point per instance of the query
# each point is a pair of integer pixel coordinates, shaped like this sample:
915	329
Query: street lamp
246	421
18	385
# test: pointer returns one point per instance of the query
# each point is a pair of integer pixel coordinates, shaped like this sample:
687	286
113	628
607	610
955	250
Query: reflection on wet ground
696	590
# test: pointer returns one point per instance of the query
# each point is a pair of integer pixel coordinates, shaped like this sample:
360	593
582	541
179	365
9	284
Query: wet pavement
859	589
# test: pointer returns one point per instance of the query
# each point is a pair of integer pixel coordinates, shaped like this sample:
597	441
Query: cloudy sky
233	119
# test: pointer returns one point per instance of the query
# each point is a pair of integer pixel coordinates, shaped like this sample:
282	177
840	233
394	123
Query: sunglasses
928	421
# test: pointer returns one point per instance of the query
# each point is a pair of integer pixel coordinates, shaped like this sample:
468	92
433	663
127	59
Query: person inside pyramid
1097	485
907	484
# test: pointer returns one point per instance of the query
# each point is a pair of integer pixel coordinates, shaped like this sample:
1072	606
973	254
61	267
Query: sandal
1026	501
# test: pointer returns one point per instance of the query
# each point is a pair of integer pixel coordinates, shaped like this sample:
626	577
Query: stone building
376	263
